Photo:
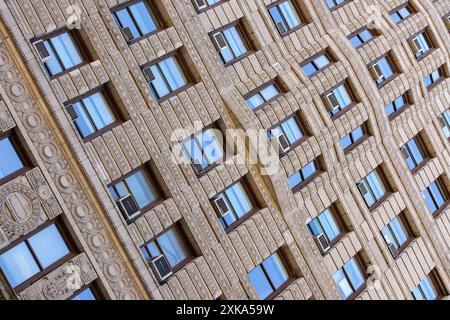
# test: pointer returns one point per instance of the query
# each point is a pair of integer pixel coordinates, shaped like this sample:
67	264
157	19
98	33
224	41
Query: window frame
209	6
94	289
358	141
400	7
337	6
295	4
423	32
398	111
256	91
436	82
435	280
357	34
418	140
386	185
151	7
308	180
12	135
445	195
325	53
354	100
356	291
343	230
409	232
182	232
394	69
296	143
68	240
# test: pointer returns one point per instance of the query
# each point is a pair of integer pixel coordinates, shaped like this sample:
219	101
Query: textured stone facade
69	177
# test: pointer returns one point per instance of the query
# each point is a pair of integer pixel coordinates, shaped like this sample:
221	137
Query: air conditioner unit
281	28
377	74
128	207
323	243
393	249
220	41
333	102
221	206
161	268
362	188
198	168
42	51
443	121
200	4
148	73
128	34
283	142
405	152
72	113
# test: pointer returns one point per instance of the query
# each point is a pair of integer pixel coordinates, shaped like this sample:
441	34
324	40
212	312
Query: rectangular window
301	177
172	244
414	153
334	4
233	205
263	96
354	138
420	44
444	120
435	197
92	114
382	70
350	279
288	134
59	53
10	161
326	225
401	13
204	150
285	16
230	43
396	234
428	288
373	189
362	37
398	105
136	20
165	77
435	77
203	5
135	193
34	256
338	100
269	277
316	64
86	294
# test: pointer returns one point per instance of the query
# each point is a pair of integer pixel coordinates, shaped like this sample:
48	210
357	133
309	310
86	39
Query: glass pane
376	185
314	227
389	237
366	35
255	101
276	16
322	61
355	41
309	170
329	225
18	265
368	197
342	96
346	142
83	122
276	271
52	64
260	283
290	14
86	295
153	249
235	41
428	289
212	145
399	230
295	180
49	246
99	110
173	74
9	161
309	69
418	294
143	18
239	199
142	189
437	194
354	274
292	130
158	84
67	51
269	92
342	283
125	20
358	134
173	246
429	201
386	68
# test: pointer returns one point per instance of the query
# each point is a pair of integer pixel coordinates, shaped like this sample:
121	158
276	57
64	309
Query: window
372	189
263	96
401	13
230	43
420	44
362	37
300	178
334	4
435	77
285	16
435	197
428	288
382	70
204	150
338	100
414	153
34	256
172	245
92	114
350	279
135	193
233	205
86	294
136	20
288	134
165	77
326	224
59	53
10	162
396	234
444	120
203	5
318	63
447	21
269	277
353	138
398	105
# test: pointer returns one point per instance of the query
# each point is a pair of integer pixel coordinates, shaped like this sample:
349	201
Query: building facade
101	100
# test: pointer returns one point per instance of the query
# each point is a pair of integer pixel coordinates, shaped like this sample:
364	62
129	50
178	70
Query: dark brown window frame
386	184
408	103
361	265
161	197
182	232
151	7
94	289
424	31
274	82
352	95
113	107
70	243
357	32
179	57
438	81
300	124
27	162
311	178
210	6
404	5
324	52
395	69
339	5
410	234
298	9
427	157
359	141
436	215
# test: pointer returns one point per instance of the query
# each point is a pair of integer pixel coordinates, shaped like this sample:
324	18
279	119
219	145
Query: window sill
424	55
144	210
356	144
342	111
306	182
421	165
67	71
174	93
145	36
102	131
397	112
293	146
242	56
380	201
403	247
283	287
387	80
14	175
437	214
436	83
287	33
358	291
242	220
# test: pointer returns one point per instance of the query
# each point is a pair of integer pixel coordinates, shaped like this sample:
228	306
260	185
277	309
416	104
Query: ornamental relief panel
6	120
